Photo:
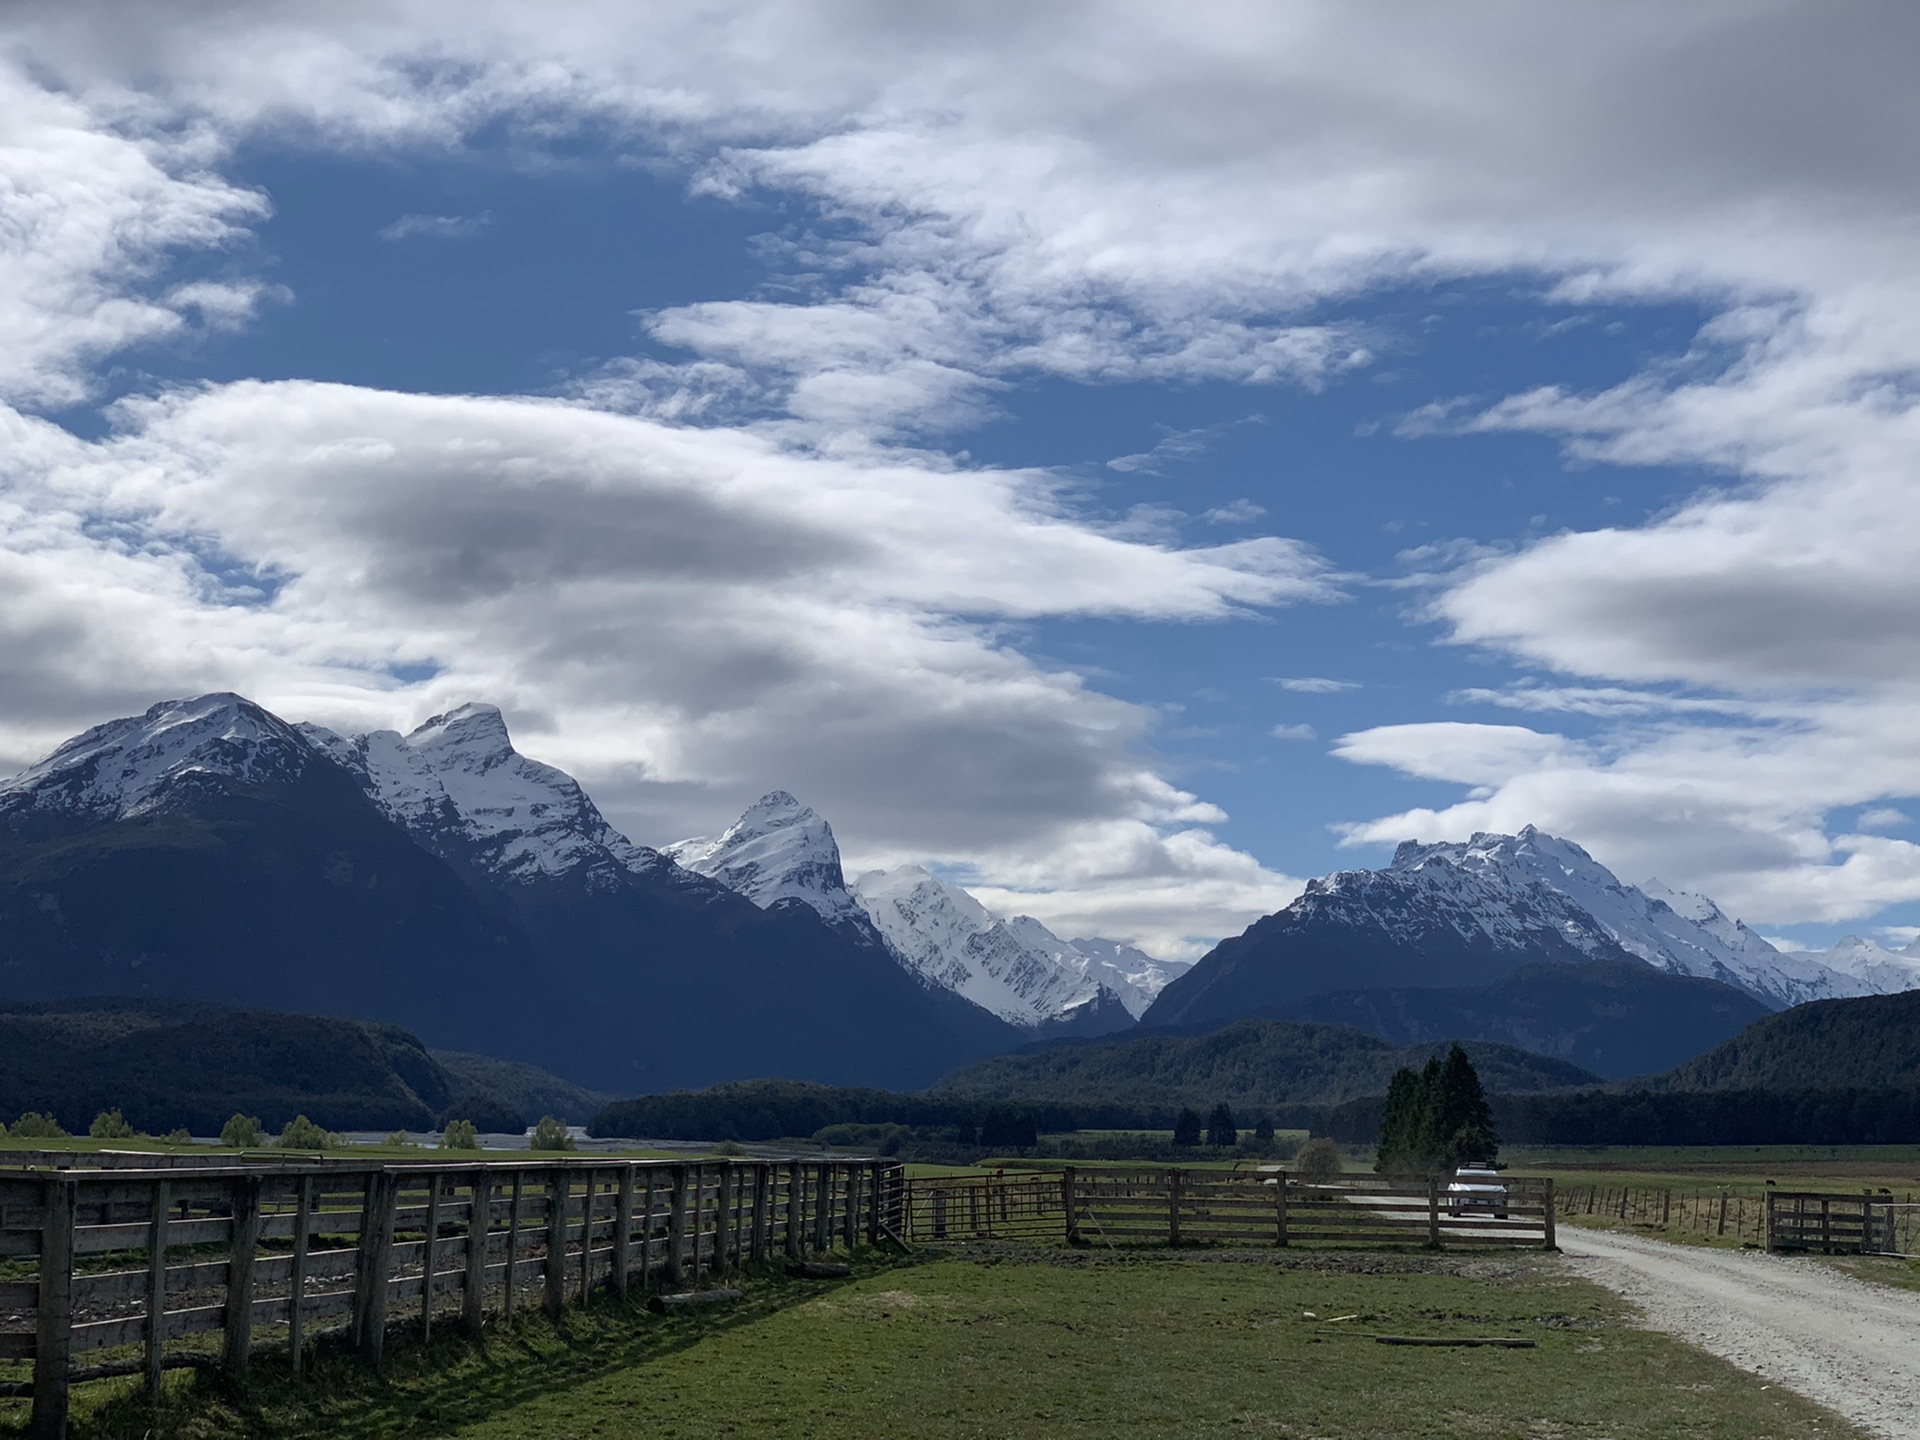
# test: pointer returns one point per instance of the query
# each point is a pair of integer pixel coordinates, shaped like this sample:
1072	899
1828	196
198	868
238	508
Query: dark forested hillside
1616	1018
1251	1063
183	1063
1873	1041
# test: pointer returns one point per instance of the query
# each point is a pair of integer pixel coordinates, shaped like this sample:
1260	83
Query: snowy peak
457	785
778	850
131	766
1881	970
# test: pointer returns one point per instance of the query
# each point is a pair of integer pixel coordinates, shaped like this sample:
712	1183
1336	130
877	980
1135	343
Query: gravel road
1852	1346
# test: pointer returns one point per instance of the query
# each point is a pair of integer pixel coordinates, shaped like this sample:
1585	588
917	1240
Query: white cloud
1122	192
685	617
436	227
1293	732
1315	684
1234	512
1883	818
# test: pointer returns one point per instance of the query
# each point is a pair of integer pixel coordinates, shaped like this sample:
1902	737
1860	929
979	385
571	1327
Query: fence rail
1178	1207
152	1263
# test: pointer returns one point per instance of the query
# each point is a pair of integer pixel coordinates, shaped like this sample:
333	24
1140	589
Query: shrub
110	1125
550	1134
1186	1128
1220	1127
36	1126
1319	1161
398	1140
460	1135
242	1132
302	1134
180	1135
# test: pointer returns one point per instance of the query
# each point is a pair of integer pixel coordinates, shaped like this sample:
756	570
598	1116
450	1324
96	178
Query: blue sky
1408	433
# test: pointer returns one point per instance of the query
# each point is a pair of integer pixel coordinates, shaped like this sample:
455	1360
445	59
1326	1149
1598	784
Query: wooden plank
375	1266
297	1278
19	1294
102	1239
677	1228
513	1246
558	1182
54	1335
238	1349
156	1278
479	1215
432	1250
16	1344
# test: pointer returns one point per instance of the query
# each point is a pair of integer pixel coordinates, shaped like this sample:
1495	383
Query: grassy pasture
1740	1169
1043	1343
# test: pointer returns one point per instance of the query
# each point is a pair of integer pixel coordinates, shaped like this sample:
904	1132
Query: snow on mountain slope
128	767
457	783
1130	973
778	850
1879	970
1594	911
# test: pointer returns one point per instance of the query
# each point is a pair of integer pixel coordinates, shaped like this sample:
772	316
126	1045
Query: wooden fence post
1280	1205
823	1209
157	1292
1066	1199
850	1220
795	1203
375	1264
587	1206
427	1257
556	1276
874	1218
762	1207
622	1231
677	1227
297	1299
1552	1239
646	1234
723	1217
1766	1219
479	1218
1173	1208
53	1337
696	1221
1723	1214
1433	1212
240	1254
513	1244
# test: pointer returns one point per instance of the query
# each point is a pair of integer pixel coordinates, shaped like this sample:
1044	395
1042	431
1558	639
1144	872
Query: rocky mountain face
1015	968
1451	915
439	880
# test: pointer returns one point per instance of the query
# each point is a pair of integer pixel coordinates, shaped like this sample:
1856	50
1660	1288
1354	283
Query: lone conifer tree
1186	1128
1436	1118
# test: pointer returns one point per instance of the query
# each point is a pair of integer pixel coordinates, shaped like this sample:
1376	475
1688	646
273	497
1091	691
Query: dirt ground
1847	1344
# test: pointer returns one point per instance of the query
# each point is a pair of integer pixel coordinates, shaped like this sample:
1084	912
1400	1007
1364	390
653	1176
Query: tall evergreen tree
1435	1119
1186	1128
1220	1127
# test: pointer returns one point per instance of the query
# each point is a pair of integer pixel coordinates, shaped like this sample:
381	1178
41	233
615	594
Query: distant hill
1249	1064
1869	1042
524	1089
169	1063
1616	1018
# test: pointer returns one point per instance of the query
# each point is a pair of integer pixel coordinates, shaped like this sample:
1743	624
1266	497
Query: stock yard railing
1176	1207
141	1268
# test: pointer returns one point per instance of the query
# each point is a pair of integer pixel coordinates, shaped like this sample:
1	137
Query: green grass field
1034	1344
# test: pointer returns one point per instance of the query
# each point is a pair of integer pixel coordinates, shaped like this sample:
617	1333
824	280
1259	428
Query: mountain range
443	881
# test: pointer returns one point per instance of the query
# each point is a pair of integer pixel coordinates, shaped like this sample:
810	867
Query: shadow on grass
439	1386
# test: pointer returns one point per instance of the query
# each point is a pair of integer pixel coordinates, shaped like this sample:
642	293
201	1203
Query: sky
1131	458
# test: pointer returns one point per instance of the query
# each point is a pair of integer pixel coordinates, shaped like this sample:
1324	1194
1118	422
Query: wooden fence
140	1271
1180	1207
1701	1212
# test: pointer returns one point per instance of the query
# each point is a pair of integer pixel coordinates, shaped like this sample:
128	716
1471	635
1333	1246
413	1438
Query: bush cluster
550	1134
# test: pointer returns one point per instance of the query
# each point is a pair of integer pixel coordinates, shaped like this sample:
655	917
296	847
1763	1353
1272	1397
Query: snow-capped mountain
1016	968
457	785
440	880
1878	970
138	765
778	850
1467	913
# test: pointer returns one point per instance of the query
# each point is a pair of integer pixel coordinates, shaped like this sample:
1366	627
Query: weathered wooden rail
1179	1207
138	1271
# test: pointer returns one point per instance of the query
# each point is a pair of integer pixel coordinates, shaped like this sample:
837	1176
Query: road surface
1850	1345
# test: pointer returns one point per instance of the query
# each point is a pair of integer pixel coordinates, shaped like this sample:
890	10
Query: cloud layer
1113	192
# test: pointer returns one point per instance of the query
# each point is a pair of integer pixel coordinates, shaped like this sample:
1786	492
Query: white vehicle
1476	1187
